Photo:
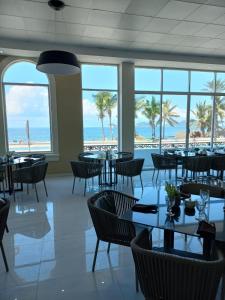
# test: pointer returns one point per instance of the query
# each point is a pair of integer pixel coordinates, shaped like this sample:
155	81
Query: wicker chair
198	164
218	165
85	170
105	208
130	169
2	179
83	157
163	162
194	188
31	175
172	277
4	211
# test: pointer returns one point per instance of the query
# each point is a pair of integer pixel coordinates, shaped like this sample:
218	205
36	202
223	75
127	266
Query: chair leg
14	194
108	248
157	176
136	280
73	184
35	187
3	187
153	174
95	256
85	186
45	188
132	186
141	183
4	257
6	228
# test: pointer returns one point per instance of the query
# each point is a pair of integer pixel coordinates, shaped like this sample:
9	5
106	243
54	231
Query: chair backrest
83	156
172	277
39	170
198	163
130	167
125	156
4	211
163	162
194	188
84	169
105	207
218	163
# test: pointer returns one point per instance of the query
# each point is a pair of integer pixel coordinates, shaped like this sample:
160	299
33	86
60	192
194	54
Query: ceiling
193	27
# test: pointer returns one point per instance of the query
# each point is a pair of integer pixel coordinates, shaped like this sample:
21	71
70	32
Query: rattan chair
199	166
4	211
105	209
172	277
163	162
85	170
218	165
130	168
83	156
31	175
194	188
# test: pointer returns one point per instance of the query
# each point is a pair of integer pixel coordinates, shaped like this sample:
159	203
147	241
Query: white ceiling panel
149	37
125	35
73	15
161	25
211	30
187	28
220	20
171	39
133	22
97	31
111	5
216	2
177	10
195	1
194	41
11	22
206	14
213	43
102	18
146	7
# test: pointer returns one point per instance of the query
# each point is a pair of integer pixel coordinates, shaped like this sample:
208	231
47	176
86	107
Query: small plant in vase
172	193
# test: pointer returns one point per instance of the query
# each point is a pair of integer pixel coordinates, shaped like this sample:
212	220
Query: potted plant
172	193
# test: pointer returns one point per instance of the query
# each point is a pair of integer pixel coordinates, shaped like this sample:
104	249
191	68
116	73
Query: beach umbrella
28	133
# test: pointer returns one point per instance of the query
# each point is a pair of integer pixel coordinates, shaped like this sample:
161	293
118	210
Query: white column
126	107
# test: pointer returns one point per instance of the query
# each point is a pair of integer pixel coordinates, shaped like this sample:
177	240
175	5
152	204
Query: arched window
27	108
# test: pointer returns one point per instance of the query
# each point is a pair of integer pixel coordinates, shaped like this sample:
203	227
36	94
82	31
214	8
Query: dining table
108	160
183	222
13	163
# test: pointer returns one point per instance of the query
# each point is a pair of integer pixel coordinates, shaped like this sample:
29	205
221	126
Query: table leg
168	239
207	247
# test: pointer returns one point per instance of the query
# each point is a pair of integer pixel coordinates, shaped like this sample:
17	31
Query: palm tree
138	106
100	106
219	86
109	102
151	111
202	115
168	115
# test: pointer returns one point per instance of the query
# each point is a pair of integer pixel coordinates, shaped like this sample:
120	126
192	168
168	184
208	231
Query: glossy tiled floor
51	244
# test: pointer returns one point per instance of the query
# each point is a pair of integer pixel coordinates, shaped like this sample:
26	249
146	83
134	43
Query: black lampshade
58	62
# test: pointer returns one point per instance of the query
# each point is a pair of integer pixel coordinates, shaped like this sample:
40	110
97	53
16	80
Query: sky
31	102
26	102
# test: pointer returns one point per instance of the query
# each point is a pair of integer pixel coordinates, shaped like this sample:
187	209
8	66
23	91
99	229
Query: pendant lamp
58	62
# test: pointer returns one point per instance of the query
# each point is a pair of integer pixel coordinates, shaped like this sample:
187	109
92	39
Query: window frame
102	90
4	148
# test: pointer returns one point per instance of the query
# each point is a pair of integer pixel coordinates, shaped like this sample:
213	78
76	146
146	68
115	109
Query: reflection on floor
51	244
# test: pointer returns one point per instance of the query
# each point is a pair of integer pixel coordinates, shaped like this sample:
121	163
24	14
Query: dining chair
105	209
218	165
31	175
85	170
173	277
199	166
2	179
84	156
130	169
194	188
163	162
4	211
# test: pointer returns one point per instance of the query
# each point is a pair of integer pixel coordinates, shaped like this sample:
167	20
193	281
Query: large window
178	109
26	95
100	101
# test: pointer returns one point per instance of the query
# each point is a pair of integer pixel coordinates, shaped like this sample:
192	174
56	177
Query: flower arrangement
172	191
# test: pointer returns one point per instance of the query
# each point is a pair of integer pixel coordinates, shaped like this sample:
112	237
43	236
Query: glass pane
220	82
175	80
200	121
219	125
147	129
147	79
202	82
28	123
24	72
100	120
99	77
174	114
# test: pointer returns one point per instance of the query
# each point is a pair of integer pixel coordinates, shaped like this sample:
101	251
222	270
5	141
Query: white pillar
126	107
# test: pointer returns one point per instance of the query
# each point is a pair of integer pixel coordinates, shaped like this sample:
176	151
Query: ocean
90	133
